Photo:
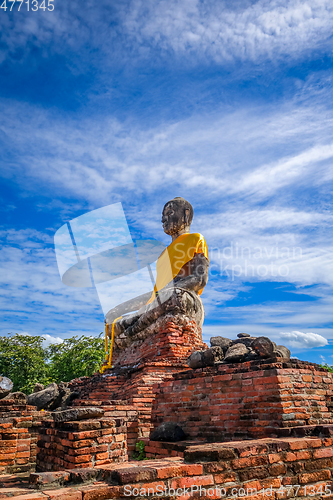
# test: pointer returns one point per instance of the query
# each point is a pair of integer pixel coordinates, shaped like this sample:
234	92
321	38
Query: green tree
23	360
75	357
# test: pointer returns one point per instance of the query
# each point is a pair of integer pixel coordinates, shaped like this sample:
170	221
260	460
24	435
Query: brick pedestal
168	340
85	443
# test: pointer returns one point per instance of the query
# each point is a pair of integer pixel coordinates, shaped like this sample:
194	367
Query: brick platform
257	470
245	400
136	385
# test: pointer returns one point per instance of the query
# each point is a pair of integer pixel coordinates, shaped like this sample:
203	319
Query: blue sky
228	104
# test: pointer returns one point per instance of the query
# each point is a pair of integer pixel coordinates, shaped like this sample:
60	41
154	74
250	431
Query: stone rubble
244	348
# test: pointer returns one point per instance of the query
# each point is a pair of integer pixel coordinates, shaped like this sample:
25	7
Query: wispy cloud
223	31
258	153
32	297
259	175
135	30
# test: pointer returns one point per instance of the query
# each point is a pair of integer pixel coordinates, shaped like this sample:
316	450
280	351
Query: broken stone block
77	414
244	340
282	351
263	346
44	398
38	387
252	355
212	356
18	397
222	342
55	479
243	335
168	431
236	353
195	360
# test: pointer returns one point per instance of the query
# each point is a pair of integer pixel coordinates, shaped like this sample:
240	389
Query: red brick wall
129	395
19	425
84	443
173	342
245	400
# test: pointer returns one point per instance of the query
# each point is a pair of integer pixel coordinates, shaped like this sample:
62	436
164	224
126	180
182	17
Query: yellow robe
175	256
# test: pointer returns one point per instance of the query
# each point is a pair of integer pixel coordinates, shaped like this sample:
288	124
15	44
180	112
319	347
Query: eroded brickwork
19	424
174	342
257	469
85	443
247	400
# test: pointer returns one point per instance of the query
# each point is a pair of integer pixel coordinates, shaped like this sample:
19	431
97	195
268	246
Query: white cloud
32	296
206	30
257	153
302	340
49	339
223	31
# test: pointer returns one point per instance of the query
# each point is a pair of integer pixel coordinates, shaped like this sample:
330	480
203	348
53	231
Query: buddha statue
182	274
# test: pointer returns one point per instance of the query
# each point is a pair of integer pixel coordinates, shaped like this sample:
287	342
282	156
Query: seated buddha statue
182	274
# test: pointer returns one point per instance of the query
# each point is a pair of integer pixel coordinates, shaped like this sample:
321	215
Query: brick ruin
266	423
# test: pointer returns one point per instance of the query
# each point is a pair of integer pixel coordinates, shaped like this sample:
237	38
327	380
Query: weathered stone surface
209	357
243	335
77	414
222	342
282	351
195	360
245	340
168	431
38	387
251	354
212	356
44	398
42	479
6	386
236	353
64	398
184	304
85	475
263	346
19	397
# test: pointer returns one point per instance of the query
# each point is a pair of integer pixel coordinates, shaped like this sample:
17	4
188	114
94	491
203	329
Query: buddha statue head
177	216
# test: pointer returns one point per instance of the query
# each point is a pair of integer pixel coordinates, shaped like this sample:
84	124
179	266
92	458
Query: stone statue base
171	338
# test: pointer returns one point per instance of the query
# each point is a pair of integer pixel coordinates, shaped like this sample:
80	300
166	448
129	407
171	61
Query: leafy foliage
329	368
25	361
75	357
140	453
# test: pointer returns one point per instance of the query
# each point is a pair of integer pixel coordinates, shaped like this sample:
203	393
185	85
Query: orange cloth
175	256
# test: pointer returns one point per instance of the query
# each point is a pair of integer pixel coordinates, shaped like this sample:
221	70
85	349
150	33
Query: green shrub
75	357
25	361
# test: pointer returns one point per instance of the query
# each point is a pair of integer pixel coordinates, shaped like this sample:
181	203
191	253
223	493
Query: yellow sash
175	256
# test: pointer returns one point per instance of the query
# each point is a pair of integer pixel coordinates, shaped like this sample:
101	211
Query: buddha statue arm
194	275
126	307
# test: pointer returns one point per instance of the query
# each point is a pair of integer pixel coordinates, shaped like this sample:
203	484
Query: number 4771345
28	5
